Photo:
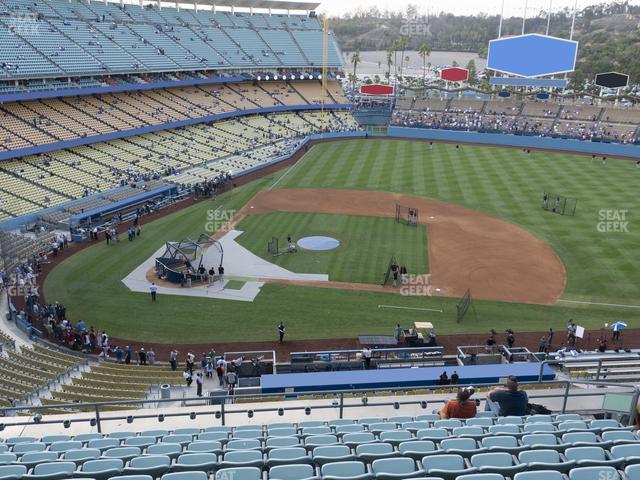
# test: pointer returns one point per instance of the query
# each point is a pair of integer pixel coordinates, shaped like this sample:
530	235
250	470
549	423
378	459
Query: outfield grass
366	244
602	267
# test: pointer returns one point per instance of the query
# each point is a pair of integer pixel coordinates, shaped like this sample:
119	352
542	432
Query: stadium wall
77	142
520	141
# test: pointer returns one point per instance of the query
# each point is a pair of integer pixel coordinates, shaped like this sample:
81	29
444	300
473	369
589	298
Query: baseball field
481	227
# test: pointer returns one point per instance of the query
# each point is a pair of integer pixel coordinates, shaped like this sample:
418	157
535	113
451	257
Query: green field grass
366	244
602	267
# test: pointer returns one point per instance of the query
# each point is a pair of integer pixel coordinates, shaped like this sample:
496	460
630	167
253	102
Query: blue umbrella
616	327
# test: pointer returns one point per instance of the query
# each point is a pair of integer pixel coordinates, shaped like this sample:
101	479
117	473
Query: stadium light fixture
259	78
218	415
37	418
161	417
423	404
66	423
396	406
301	77
280	411
307	410
250	413
93	422
130	419
267	78
192	415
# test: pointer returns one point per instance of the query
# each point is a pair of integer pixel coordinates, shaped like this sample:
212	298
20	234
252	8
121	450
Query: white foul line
601	304
411	308
288	171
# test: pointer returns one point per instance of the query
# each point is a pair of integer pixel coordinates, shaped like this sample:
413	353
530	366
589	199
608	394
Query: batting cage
186	256
406	215
554	203
463	305
272	247
393	264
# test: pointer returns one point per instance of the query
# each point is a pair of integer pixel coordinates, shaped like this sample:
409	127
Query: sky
458	7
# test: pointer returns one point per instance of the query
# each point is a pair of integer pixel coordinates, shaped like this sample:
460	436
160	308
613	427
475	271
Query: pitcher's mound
318	243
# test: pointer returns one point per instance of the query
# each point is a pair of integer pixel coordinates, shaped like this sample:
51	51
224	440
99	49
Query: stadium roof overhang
253	4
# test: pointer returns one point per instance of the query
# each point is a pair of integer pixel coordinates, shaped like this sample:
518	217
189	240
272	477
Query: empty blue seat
539	475
101	469
451	423
400	419
322	430
289	472
103	443
332	453
345	471
197	462
594	473
7	458
154	465
121	435
246	435
417	449
434	434
508	428
369	452
469	431
182	439
142	442
287	456
503	443
572	425
49	439
539	428
395	469
545	459
538	419
395	437
413	427
481	476
479	422
581	439
86	437
460	446
629	453
632	472
204	447
281	442
244	445
496	462
354	439
52	471
619	436
382	427
123	453
81	455
242	458
213	437
591	457
186	476
186	431
171	450
446	466
26	447
156	433
605	424
12	472
336	422
286	432
510	420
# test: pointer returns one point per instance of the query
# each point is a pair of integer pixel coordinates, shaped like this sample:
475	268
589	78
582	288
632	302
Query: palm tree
355	59
389	61
402	44
424	51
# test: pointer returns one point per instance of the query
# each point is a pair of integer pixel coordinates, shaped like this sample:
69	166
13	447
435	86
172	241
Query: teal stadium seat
191	462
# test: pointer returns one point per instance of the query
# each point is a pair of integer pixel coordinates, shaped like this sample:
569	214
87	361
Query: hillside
609	34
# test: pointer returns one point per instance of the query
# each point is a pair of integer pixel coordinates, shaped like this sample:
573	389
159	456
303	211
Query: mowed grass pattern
502	182
366	244
506	183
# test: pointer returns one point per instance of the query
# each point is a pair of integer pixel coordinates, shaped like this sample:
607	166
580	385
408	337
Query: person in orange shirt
461	407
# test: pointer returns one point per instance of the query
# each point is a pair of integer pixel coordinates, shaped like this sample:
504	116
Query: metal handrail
337	400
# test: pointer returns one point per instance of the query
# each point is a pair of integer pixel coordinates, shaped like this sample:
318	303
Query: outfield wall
520	141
